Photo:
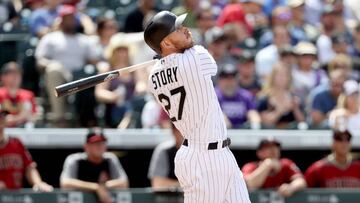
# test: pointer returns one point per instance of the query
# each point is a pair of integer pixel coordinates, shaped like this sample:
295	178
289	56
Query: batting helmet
160	26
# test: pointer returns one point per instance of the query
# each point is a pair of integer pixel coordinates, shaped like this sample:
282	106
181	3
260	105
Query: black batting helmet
160	26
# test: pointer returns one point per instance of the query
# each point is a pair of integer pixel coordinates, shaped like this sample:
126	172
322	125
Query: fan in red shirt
272	171
16	162
337	170
20	103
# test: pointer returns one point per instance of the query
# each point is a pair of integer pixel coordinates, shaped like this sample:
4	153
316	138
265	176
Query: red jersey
324	173
14	159
15	104
287	172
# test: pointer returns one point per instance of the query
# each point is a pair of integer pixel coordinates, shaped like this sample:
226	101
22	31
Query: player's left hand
43	187
285	190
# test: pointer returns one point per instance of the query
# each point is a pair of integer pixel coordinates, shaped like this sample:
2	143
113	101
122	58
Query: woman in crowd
106	28
343	61
347	116
116	93
277	106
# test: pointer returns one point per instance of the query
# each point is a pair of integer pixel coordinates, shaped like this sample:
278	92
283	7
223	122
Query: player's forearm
298	184
257	178
68	183
33	175
161	183
117	184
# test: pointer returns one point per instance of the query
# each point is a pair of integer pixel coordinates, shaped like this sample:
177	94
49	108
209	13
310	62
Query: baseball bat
84	83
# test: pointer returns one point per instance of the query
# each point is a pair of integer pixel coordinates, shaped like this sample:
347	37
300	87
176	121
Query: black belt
213	145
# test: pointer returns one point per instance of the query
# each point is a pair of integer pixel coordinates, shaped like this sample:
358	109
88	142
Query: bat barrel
78	85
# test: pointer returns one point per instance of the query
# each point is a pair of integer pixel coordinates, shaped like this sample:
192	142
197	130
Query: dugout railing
146	195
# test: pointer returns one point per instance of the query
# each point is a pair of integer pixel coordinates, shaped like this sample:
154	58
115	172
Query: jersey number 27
178	90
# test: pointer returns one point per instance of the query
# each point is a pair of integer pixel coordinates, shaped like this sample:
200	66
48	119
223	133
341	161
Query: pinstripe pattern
206	176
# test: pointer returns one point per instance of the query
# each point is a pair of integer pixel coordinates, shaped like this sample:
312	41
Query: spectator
328	28
20	103
135	20
45	19
270	5
161	170
340	43
278	107
287	56
106	28
62	54
8	12
314	8
116	93
247	77
16	162
343	61
205	20
42	19
299	29
34	4
355	50
347	116
218	46
339	169
237	104
324	100
281	16
271	171
255	16
234	13
95	169
190	7
305	75
268	56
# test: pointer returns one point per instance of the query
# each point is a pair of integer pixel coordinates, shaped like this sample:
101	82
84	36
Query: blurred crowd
285	64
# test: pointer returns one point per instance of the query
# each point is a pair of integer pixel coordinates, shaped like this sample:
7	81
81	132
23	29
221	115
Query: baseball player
181	83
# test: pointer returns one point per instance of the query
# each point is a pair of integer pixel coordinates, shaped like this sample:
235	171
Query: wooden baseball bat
84	83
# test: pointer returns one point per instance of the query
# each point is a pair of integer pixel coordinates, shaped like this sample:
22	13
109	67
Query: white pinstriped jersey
182	83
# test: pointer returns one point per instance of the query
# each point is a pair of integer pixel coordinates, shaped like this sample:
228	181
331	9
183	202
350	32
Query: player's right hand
274	164
103	194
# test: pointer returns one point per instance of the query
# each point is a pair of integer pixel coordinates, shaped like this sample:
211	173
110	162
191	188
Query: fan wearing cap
181	82
62	54
339	169
237	104
16	163
299	28
95	169
306	76
246	76
347	115
271	171
20	103
217	43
